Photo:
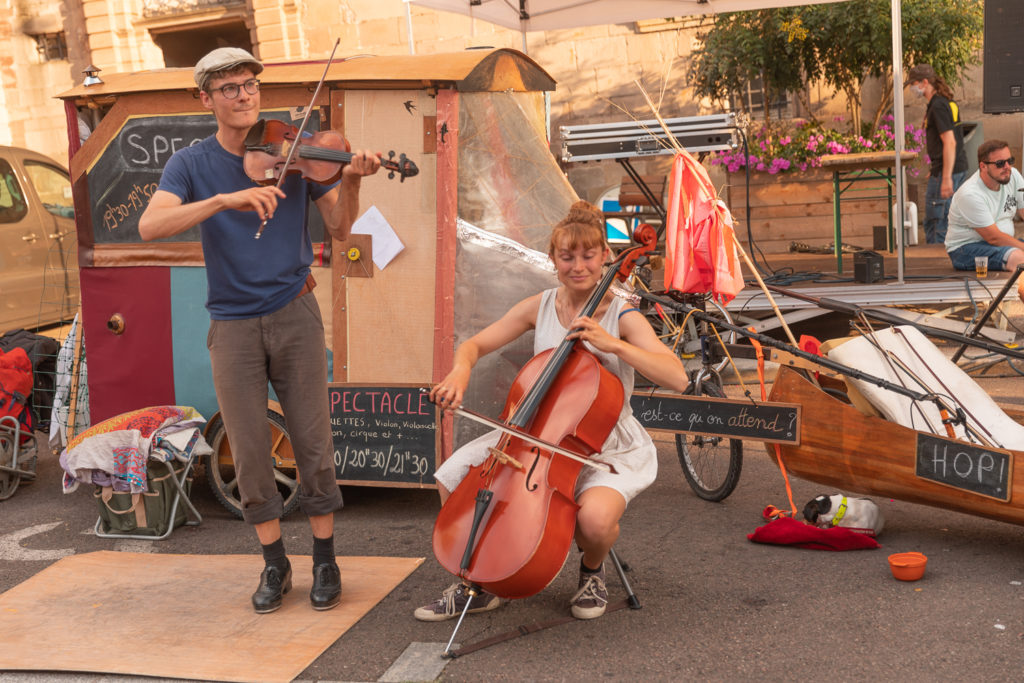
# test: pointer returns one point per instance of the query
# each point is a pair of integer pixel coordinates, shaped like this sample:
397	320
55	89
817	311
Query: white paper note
384	242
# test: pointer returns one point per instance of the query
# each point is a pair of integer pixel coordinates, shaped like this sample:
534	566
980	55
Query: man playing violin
623	340
265	322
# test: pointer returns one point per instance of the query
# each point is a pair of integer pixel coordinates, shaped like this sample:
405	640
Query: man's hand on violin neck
364	162
262	200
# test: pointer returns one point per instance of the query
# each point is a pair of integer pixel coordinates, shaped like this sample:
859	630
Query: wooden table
848	169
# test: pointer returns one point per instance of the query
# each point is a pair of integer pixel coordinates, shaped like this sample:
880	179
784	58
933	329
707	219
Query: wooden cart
393	328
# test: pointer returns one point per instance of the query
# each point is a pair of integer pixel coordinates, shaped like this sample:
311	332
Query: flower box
797	206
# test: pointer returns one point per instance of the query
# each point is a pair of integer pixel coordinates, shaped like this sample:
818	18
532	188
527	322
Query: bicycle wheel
711	464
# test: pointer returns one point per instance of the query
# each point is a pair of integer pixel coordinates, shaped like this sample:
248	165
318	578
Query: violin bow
482	419
302	128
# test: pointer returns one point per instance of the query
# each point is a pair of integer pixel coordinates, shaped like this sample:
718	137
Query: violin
319	157
508	526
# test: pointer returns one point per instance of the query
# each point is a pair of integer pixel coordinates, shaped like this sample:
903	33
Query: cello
508	526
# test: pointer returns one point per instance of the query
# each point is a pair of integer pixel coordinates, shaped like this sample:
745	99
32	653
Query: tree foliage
842	44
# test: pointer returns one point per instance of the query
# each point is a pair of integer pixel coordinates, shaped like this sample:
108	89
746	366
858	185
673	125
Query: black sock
587	570
323	550
274	555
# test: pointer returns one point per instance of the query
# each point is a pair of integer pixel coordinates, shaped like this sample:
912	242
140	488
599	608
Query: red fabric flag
700	248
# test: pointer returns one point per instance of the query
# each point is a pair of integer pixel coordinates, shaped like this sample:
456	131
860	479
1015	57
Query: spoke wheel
682	334
711	464
220	468
9	481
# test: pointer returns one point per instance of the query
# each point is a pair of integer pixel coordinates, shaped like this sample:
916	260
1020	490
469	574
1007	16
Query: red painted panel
447	215
134	369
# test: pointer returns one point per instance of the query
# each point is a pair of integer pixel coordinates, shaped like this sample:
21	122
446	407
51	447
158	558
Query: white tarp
544	15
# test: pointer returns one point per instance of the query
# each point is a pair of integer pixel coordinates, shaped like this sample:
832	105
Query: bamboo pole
72	422
764	288
739	247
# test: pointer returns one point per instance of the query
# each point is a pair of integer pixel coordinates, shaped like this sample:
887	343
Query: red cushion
788	531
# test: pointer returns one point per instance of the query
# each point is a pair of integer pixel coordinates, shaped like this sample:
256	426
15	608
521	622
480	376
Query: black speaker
1004	57
868	266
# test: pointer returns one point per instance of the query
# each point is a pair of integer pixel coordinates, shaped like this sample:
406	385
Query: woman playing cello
623	340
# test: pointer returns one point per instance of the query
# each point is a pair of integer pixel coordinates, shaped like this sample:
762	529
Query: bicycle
711	464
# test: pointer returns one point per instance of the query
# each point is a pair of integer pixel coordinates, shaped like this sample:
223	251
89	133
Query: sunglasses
1001	162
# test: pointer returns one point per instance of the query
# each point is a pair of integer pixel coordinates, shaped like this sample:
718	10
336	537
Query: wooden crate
797	207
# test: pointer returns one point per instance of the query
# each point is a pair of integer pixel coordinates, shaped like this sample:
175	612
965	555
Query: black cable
751	246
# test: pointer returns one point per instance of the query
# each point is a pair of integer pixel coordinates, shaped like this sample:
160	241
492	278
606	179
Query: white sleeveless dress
628	447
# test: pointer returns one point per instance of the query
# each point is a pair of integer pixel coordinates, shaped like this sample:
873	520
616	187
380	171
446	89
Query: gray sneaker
453	600
591	599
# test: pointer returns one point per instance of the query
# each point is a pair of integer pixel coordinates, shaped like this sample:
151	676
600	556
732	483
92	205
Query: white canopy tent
543	15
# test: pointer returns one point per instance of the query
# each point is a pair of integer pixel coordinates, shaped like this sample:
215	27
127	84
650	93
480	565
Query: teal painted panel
190	321
193	382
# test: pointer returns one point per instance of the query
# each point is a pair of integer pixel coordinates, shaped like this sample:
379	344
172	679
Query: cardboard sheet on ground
180	616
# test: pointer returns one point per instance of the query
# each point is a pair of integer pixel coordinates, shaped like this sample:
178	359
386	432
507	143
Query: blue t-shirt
245	277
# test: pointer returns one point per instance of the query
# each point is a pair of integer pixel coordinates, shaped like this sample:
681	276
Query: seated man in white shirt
981	214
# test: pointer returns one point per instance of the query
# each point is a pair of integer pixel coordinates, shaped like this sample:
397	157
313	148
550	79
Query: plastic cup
981	266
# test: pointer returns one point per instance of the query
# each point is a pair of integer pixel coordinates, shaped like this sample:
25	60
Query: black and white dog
859	514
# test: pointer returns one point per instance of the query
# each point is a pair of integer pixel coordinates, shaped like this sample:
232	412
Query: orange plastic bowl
907	566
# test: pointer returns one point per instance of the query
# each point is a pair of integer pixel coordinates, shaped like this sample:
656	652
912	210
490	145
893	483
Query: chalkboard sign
970	467
125	176
383	434
740	419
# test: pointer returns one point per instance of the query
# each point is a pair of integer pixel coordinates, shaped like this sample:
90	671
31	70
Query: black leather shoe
326	591
273	585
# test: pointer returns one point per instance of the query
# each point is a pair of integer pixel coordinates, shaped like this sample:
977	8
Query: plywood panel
180	616
389	318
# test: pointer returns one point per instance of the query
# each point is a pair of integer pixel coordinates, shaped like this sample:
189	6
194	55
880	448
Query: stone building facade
601	71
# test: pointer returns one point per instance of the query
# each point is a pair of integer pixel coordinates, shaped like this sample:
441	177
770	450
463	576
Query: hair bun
586	213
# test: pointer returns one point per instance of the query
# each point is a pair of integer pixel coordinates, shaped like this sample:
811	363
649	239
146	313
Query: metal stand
621	569
472	591
625	140
849	178
21	460
655	202
973	332
192	516
631	601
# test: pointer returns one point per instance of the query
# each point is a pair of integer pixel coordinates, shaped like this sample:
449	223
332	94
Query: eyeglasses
231	90
1001	162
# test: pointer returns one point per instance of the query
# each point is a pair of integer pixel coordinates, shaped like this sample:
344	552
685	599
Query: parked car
38	244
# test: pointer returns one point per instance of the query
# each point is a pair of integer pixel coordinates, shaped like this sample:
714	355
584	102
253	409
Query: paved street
715	606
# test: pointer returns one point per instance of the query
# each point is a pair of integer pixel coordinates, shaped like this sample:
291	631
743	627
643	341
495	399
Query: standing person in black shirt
945	145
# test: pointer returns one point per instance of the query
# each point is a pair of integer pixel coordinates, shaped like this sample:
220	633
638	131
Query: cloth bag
16	388
147	513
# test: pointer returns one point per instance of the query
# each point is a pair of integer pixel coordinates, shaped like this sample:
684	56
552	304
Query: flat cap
919	73
221	59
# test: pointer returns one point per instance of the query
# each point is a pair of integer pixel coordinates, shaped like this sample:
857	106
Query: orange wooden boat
856	453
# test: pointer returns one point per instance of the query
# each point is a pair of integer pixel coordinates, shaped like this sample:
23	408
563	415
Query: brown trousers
285	348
